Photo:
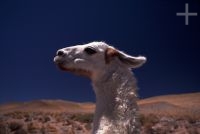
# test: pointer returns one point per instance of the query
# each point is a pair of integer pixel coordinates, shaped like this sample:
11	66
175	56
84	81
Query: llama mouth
60	61
57	60
62	66
76	71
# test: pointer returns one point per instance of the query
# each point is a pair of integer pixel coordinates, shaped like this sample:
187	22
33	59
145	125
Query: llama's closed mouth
75	70
59	60
61	63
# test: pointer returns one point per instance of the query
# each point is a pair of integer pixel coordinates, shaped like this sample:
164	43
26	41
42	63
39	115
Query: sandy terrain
174	114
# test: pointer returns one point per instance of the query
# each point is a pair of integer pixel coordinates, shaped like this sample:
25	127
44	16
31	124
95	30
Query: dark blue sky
31	32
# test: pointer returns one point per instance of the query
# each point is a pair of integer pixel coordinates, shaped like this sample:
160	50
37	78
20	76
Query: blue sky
32	31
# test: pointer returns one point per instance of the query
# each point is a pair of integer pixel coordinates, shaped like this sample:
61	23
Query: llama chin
113	82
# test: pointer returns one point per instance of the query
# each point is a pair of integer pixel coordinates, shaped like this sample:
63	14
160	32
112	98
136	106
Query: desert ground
168	114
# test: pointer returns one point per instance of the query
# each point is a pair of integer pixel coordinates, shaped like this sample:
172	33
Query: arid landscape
169	114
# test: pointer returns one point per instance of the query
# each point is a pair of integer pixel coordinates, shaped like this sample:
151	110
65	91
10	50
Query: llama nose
60	53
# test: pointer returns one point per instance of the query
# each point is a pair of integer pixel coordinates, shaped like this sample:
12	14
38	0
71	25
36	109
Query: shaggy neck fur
116	107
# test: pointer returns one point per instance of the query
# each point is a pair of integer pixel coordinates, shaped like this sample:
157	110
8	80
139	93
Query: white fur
113	83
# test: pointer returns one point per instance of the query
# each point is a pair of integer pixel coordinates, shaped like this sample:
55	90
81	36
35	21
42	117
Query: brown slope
160	103
189	100
48	106
176	106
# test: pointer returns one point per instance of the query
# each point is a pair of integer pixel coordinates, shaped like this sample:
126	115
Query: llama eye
90	50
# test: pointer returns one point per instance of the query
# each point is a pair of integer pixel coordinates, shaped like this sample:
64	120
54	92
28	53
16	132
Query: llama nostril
60	53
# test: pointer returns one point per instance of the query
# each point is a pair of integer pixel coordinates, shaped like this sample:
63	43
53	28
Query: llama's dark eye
90	50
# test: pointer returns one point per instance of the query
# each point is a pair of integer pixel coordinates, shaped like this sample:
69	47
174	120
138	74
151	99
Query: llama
113	82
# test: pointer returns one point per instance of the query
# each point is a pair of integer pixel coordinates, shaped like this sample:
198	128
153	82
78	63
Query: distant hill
48	106
188	100
179	102
174	105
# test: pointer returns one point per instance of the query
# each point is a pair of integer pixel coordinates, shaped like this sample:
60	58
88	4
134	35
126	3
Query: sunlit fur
113	82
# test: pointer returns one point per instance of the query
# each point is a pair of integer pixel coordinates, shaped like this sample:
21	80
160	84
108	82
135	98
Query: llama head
94	58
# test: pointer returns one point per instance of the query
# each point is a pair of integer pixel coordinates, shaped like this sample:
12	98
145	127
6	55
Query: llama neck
116	106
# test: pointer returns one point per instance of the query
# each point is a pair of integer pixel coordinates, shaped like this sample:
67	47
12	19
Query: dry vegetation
171	114
45	123
174	114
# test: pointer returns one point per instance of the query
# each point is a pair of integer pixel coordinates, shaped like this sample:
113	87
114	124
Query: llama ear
110	53
130	61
